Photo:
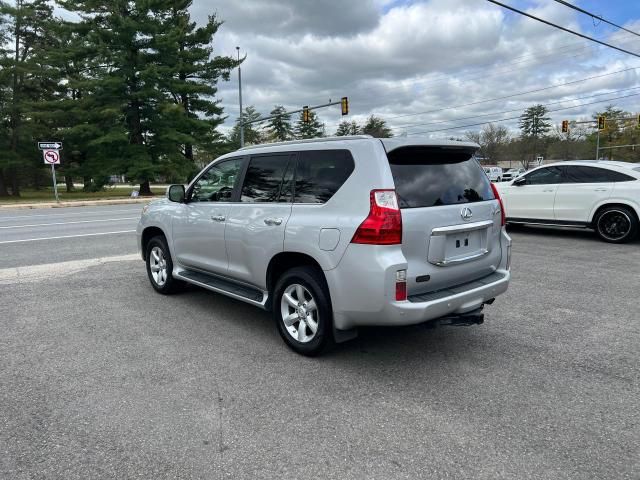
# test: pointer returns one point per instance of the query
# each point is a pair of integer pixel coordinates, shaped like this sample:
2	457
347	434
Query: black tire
315	284
170	284
616	224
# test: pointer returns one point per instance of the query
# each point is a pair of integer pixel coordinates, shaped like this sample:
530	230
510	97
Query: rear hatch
451	221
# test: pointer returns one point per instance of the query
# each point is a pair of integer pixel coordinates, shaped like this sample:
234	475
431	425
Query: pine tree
4	94
534	122
152	86
377	127
72	111
348	128
252	136
25	82
279	128
311	129
188	74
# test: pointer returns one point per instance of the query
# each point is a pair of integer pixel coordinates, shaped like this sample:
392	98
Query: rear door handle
551	190
218	218
601	189
273	221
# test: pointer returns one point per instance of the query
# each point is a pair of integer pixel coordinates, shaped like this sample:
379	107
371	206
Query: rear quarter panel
345	211
624	193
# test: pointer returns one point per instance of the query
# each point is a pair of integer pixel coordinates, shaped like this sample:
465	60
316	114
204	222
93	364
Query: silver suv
336	233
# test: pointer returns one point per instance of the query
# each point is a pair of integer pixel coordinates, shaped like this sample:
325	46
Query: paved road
103	378
49	235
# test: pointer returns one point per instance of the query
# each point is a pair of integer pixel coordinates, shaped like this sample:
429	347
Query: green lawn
46	195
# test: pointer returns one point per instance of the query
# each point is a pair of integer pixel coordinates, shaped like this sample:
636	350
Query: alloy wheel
614	225
299	313
158	266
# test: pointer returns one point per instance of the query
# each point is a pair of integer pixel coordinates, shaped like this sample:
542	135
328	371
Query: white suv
601	195
336	233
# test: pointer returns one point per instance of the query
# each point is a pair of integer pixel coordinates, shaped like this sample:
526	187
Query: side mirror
520	181
175	193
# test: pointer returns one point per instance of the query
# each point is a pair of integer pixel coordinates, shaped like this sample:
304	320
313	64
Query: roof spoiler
391	144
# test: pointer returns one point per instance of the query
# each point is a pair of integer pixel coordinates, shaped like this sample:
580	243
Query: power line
593	15
515	94
412	125
480	71
515	118
563	28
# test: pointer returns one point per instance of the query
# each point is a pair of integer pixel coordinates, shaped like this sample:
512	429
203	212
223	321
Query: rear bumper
361	289
422	308
458	300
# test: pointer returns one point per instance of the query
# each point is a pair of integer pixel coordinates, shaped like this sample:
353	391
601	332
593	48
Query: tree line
539	138
281	127
130	89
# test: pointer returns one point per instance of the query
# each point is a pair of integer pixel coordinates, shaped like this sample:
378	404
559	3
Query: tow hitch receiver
475	317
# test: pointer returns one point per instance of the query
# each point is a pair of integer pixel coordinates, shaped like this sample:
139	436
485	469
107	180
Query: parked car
601	195
336	233
512	173
494	173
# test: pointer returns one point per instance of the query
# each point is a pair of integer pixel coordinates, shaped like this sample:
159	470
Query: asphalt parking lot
100	377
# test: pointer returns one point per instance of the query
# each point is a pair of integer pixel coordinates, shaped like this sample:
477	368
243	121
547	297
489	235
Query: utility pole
240	99
598	146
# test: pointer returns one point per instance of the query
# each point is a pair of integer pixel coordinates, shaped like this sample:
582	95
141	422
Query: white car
602	195
512	173
494	173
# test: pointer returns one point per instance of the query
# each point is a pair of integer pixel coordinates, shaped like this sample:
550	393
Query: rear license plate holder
459	243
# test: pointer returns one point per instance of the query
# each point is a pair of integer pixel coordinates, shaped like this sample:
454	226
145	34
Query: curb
79	203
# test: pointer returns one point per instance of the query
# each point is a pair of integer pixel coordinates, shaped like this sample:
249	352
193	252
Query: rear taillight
401	285
383	226
502	212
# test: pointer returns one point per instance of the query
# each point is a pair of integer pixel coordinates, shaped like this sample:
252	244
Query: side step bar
217	284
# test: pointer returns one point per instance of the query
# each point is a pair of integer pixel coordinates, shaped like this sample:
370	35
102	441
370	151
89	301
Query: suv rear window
433	176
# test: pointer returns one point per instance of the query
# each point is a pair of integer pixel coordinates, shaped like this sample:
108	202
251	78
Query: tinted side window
263	178
433	176
580	174
320	174
544	176
217	183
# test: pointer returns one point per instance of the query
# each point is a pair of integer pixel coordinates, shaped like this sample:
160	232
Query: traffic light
344	104
602	122
565	126
305	114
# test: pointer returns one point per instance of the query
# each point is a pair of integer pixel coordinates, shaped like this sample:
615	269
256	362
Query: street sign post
51	156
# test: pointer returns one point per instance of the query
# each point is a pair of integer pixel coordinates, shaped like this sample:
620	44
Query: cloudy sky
428	67
419	64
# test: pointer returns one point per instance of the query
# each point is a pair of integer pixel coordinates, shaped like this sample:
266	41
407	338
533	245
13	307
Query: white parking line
71	223
92	212
66	236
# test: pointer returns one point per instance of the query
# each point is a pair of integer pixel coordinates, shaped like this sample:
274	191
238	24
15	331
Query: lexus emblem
466	213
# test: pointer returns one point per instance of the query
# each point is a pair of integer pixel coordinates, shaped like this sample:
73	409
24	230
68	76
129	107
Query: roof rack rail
308	140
